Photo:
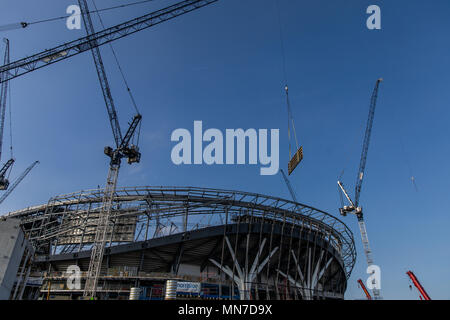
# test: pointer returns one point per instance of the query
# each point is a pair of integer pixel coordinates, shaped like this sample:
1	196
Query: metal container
171	290
135	293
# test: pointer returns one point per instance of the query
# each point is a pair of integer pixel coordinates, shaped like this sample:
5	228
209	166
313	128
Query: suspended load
293	163
298	156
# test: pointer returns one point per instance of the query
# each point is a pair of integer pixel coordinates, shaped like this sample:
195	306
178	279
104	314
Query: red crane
419	287
368	296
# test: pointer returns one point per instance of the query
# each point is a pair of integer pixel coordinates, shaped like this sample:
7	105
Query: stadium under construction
195	243
151	243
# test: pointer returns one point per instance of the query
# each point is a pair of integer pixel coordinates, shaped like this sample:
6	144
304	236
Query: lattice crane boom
20	67
3	95
362	229
341	185
365	149
5	168
4	183
103	79
18	180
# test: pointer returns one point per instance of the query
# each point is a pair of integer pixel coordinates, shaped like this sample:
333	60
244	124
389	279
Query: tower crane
417	284
122	144
18	180
4	183
288	184
354	207
122	149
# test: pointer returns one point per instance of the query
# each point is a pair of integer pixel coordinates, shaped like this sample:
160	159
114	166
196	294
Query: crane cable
22	25
290	118
286	87
133	101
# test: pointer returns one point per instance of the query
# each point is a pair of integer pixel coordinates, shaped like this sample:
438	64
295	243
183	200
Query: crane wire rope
133	101
21	25
286	87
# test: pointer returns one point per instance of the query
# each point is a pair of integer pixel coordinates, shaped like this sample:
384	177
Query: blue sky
223	65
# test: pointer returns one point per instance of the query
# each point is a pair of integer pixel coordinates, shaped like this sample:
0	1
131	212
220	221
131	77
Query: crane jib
18	180
3	96
69	49
365	149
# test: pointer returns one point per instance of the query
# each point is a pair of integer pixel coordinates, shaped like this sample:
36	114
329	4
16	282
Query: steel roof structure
172	210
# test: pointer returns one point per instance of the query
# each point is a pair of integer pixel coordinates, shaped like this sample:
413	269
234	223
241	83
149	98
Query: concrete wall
189	270
12	246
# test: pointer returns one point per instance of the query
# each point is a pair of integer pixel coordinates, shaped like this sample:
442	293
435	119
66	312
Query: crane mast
361	224
18	180
365	149
104	84
354	207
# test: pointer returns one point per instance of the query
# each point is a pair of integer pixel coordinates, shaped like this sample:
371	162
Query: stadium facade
190	243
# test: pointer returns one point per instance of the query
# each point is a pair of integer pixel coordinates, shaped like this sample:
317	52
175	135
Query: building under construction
172	243
208	243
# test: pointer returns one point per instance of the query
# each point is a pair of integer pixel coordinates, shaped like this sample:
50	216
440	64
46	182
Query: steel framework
65	223
69	49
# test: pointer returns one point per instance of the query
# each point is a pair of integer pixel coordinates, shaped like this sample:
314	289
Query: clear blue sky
223	65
